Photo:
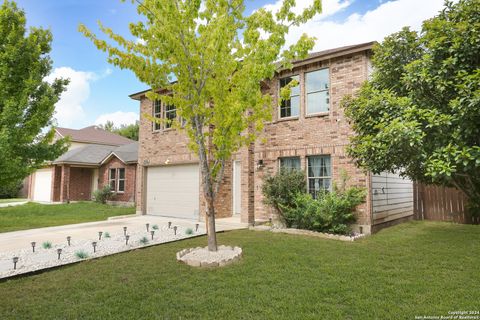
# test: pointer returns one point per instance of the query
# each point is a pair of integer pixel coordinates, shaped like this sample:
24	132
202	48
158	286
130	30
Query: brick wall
130	179
325	134
80	184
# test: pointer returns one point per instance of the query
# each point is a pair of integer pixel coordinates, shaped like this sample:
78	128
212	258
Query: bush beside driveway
35	215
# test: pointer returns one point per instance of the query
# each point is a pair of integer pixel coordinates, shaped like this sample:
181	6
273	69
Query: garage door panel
42	187
173	191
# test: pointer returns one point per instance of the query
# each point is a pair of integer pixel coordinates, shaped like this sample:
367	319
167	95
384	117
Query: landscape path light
126	239
33	245
152	233
148	226
124	231
94	244
175	230
59	252
100	235
196	227
15	260
68	240
169	224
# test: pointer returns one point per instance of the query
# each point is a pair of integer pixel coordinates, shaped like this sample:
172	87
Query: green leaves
420	112
26	100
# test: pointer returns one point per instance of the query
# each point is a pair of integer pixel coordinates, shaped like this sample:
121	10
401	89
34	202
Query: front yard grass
417	268
11	200
35	215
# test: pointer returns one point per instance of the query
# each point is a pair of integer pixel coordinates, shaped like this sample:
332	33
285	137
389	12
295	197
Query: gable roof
93	134
95	154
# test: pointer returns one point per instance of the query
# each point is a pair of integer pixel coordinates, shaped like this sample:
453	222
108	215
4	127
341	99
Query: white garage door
173	191
42	187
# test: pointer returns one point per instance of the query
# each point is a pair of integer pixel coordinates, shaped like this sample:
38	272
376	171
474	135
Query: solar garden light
100	235
175	230
33	245
148	226
59	252
196	227
126	239
152	233
94	244
68	240
124	231
169	224
15	260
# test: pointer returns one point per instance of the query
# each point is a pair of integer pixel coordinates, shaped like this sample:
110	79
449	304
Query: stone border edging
220	263
303	232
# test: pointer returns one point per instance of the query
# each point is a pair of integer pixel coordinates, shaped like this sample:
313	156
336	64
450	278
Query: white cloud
118	118
387	18
329	7
69	110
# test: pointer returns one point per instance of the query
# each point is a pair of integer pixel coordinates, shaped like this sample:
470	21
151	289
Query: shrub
10	190
155	227
81	254
144	240
103	194
47	245
106	235
189	231
279	191
332	212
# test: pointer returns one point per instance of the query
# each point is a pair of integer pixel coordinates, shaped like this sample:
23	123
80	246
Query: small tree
27	101
210	60
420	112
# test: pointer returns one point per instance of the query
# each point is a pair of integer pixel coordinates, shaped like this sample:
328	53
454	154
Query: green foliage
80	254
106	235
189	231
47	245
155	227
128	131
280	189
144	241
331	212
420	112
210	61
26	99
10	190
103	195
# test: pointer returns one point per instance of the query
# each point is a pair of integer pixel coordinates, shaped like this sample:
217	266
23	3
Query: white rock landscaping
29	261
302	232
202	257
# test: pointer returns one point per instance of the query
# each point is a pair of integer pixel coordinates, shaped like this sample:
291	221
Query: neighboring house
95	158
308	132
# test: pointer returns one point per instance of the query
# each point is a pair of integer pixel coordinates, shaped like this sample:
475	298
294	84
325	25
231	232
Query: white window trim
307	114
110	179
117	179
157	115
320	177
297	95
295	157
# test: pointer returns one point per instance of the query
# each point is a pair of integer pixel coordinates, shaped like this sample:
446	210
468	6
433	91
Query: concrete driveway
18	240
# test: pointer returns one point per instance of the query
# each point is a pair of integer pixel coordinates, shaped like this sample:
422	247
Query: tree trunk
212	236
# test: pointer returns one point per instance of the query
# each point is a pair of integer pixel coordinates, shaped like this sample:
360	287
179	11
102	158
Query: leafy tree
210	59
129	131
420	111
26	99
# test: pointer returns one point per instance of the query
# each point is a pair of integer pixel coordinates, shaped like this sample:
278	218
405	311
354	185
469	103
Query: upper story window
157	113
165	111
170	115
290	107
317	91
290	163
319	174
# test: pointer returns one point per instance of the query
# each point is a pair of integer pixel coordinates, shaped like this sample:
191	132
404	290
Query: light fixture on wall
146	162
260	164
167	161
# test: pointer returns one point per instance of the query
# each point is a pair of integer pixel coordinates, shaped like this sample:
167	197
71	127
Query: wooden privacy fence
440	204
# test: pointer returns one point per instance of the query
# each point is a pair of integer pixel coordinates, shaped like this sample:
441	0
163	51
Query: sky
99	92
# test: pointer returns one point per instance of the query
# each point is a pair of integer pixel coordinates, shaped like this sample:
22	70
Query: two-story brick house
308	132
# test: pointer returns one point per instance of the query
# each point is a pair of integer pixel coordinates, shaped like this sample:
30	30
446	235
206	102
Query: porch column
65	184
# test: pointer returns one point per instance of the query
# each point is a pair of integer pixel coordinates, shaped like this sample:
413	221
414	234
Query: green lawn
34	215
12	200
412	269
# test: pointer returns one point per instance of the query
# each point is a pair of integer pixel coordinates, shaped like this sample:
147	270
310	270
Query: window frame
319	177
157	115
299	95
166	112
280	159
306	93
112	179
120	179
116	179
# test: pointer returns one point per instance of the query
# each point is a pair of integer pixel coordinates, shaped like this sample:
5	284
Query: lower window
290	163
116	179
319	175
